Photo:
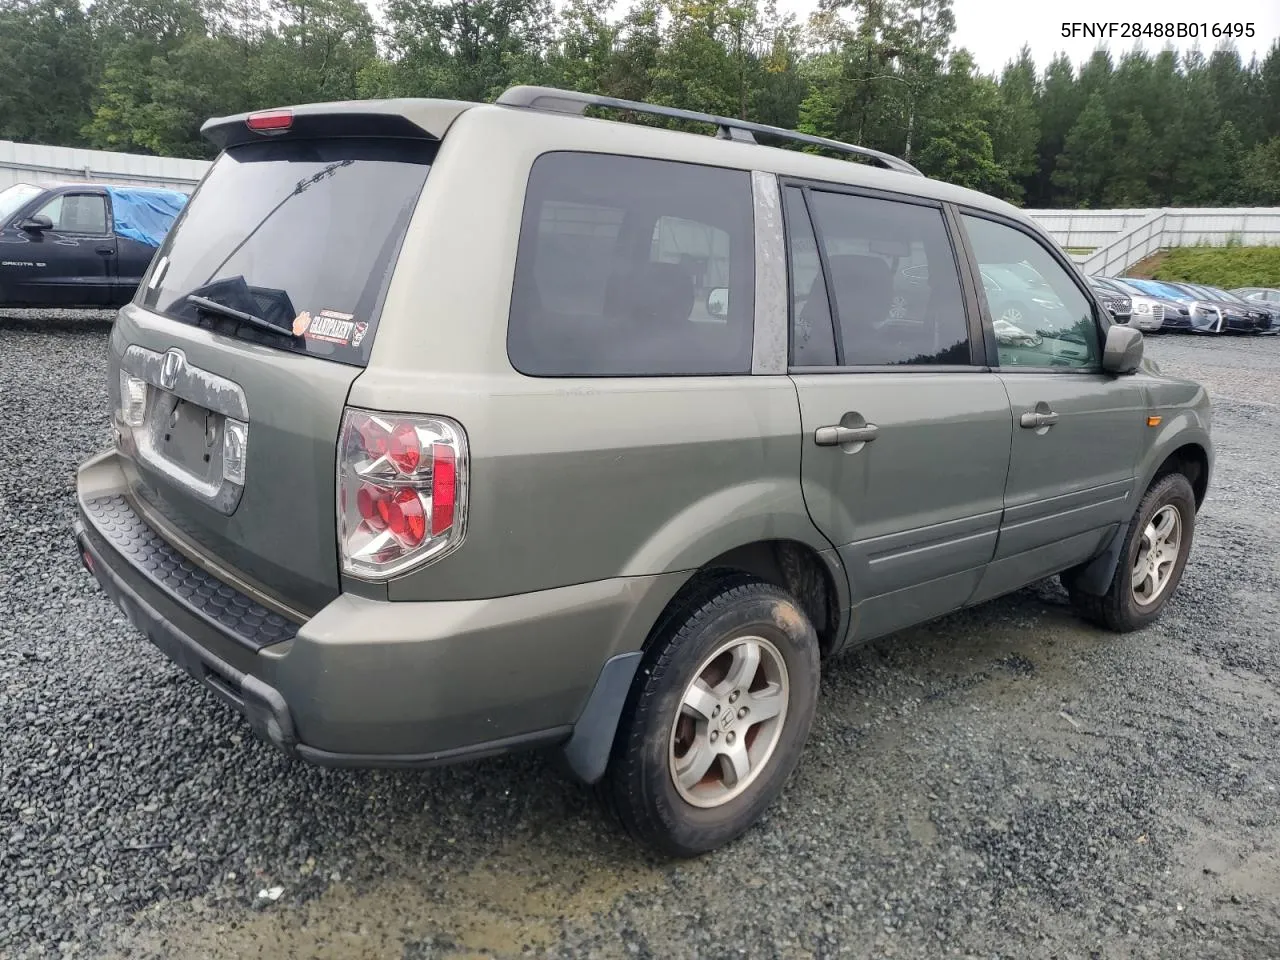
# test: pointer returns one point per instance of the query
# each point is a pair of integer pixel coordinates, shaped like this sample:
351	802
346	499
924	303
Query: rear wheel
716	718
1151	561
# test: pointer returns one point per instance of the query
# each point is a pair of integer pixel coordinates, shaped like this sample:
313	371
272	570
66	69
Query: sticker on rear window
331	326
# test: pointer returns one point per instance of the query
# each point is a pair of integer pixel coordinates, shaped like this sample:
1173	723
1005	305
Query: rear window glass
301	234
633	267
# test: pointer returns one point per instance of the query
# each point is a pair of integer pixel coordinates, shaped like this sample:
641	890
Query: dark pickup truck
79	244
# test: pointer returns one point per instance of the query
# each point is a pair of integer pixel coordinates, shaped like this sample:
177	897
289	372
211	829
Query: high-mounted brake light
402	492
270	121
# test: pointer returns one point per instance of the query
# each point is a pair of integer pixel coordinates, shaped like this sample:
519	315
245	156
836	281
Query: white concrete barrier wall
31	163
1106	242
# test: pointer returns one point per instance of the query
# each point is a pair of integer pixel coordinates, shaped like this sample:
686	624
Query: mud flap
587	753
1095	577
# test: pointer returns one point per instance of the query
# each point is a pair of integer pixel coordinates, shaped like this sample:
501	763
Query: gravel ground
1003	783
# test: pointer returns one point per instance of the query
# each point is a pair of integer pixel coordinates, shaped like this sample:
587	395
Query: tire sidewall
770	614
1174	490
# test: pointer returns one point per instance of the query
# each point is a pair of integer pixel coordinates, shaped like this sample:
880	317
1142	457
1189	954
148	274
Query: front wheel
1151	561
716	718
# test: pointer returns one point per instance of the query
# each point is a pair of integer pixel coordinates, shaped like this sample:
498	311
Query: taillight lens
401	491
133	399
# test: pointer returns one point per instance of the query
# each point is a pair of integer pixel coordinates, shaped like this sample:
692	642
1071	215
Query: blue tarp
145	214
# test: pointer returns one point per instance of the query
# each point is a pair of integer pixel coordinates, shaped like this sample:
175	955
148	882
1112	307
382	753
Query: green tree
1199	121
961	153
1127	185
1268	97
1060	107
582	56
468	49
135	37
1085	164
50	61
1261	174
1016	128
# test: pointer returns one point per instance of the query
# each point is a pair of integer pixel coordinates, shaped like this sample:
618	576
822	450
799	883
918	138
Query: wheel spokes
693	766
699	702
729	721
764	704
743	668
735	763
1158	554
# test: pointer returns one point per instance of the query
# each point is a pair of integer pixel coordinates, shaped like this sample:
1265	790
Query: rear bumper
377	683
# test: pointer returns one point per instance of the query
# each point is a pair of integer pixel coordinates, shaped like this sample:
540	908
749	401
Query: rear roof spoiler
406	119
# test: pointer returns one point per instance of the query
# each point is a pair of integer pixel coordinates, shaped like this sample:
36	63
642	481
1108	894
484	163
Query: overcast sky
994	30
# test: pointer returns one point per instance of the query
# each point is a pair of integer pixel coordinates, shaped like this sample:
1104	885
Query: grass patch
1224	267
1147	269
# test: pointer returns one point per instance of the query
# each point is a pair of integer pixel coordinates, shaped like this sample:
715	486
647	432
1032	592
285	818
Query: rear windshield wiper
212	306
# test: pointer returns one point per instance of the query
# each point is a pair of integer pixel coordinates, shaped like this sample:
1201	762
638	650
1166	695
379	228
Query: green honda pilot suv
446	429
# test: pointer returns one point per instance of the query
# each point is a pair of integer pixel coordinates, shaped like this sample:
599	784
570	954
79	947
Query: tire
640	783
1120	608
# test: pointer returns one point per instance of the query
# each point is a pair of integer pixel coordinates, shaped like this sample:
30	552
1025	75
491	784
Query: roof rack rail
572	101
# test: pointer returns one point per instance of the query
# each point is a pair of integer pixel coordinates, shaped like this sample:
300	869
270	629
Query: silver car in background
1146	312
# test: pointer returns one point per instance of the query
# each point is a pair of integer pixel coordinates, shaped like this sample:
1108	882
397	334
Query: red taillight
404	477
270	121
405	450
444	487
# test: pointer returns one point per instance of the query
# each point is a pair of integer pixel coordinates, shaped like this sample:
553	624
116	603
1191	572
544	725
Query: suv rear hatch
230	371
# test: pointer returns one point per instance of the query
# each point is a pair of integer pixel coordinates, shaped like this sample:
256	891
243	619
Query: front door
1077	431
69	265
906	433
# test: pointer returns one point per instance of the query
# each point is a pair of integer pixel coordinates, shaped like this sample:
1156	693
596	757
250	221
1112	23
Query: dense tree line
1170	128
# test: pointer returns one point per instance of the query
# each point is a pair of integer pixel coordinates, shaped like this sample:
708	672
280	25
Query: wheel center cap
727	716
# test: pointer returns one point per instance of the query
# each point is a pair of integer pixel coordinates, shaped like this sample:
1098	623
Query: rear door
906	431
1077	431
237	451
69	265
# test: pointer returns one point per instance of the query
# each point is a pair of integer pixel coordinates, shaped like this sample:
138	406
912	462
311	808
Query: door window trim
993	355
978	362
77	192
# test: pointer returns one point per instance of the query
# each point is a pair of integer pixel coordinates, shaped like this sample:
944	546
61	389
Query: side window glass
633	267
1041	318
812	339
78	213
894	279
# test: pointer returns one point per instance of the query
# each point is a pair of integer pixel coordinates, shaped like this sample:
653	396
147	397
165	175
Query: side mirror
37	224
1122	352
718	302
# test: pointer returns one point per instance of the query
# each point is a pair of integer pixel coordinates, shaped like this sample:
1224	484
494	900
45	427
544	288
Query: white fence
24	162
1106	242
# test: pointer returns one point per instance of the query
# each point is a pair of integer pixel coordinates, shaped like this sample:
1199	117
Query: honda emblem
173	363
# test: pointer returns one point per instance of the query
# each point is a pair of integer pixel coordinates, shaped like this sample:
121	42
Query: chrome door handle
837	436
1033	420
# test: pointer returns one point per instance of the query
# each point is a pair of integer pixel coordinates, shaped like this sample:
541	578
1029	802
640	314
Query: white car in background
1147	312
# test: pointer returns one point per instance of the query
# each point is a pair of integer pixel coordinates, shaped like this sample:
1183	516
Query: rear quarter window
633	267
